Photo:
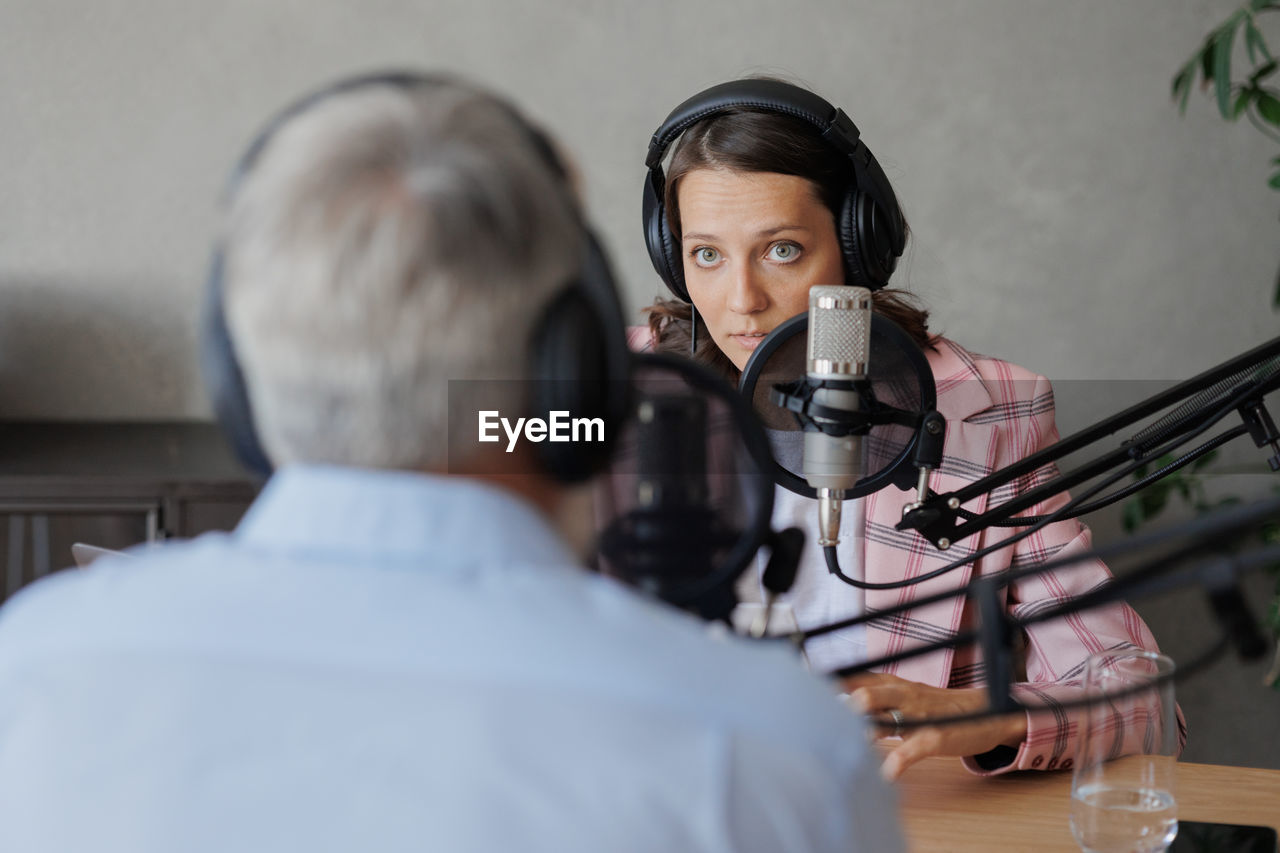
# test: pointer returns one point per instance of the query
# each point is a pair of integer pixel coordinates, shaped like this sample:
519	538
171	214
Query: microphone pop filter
902	389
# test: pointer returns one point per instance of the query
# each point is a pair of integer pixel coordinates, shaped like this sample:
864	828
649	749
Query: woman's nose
746	295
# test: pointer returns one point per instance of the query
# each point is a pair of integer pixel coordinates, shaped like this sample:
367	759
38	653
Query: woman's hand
877	694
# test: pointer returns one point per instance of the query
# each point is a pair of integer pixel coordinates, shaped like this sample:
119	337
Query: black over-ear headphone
578	361
869	224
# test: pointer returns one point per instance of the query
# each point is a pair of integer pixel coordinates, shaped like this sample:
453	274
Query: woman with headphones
767	191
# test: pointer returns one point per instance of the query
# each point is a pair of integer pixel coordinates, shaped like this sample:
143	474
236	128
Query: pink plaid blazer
996	413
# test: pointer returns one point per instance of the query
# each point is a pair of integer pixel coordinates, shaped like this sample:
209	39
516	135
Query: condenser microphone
836	370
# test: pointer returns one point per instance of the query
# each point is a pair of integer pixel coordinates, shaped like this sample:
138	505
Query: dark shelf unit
110	484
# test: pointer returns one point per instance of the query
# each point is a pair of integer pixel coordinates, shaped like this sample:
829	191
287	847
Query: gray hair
387	240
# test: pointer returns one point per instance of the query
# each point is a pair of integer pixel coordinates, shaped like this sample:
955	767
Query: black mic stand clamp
928	455
1262	429
935	518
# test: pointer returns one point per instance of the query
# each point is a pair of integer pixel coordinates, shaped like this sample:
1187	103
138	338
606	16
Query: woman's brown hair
748	140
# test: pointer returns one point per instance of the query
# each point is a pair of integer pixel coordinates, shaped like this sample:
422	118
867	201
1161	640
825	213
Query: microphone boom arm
937	517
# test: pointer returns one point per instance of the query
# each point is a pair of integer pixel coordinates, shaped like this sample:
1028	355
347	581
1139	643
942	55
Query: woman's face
753	245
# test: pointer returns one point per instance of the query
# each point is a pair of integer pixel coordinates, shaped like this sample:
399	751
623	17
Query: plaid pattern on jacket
996	414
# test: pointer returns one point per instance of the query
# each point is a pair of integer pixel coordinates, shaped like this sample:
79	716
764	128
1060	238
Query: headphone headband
770	95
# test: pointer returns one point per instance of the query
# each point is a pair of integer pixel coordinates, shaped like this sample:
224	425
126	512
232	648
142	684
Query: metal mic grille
839	331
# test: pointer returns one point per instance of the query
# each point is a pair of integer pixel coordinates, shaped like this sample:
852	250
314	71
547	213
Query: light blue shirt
387	661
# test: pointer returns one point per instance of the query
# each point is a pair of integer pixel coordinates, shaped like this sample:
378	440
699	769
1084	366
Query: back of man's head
386	239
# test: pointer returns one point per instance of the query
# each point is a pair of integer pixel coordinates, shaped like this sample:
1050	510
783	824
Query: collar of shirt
391	516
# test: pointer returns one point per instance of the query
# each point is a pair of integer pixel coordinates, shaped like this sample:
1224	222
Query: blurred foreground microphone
671	534
689	498
836	373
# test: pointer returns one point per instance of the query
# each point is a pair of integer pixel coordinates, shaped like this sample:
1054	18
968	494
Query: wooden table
945	808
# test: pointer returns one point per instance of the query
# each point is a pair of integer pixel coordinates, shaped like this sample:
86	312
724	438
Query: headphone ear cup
868	252
847	227
571	369
675	261
580	365
223	379
664	253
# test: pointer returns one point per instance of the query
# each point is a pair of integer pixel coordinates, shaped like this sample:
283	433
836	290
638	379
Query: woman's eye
783	252
705	256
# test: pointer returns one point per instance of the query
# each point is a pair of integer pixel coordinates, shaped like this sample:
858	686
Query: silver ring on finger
897	717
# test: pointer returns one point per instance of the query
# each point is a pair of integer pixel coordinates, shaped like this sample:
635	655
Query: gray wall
1064	216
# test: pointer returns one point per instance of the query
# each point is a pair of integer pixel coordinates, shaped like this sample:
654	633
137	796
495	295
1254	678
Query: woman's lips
749	342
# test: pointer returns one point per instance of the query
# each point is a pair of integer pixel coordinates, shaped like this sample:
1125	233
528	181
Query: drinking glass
1122	787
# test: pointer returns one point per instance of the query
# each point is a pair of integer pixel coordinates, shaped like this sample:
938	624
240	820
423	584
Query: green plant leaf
1266	70
1183	487
1259	5
1132	517
1255	43
1243	97
1222	67
1179	82
1269	107
1274	183
1182	85
1152	500
1207	59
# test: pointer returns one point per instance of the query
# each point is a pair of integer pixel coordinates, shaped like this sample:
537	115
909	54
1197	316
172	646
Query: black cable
833	566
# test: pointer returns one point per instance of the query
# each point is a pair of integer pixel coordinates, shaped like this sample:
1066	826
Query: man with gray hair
397	648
